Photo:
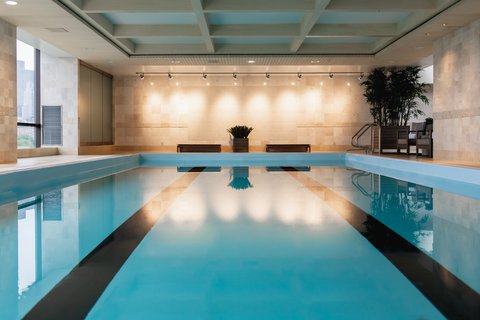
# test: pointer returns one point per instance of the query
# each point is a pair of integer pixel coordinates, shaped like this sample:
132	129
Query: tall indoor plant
394	95
240	137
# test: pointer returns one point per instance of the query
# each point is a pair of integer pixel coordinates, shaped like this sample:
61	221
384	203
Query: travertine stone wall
59	86
157	113
8	93
456	109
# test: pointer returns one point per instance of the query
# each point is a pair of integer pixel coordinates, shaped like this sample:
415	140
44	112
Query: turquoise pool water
242	243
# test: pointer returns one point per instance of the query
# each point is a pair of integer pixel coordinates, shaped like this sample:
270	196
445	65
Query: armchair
408	138
425	142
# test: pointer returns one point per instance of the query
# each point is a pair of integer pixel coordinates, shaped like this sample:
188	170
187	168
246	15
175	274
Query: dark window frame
37	124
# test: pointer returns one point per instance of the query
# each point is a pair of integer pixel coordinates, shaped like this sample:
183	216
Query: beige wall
456	109
8	93
156	114
59	87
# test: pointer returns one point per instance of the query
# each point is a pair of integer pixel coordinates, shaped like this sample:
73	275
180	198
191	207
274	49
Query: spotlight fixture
330	75
299	75
142	76
204	76
361	76
267	75
234	75
169	75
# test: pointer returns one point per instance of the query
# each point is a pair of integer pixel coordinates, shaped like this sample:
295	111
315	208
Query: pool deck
49	161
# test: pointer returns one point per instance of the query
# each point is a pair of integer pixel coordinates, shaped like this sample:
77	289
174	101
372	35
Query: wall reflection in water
444	225
253	195
42	238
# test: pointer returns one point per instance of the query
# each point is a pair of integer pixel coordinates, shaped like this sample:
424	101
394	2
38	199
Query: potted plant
394	95
240	138
239	178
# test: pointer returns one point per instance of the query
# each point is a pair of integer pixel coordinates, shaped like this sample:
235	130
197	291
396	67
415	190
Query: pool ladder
355	139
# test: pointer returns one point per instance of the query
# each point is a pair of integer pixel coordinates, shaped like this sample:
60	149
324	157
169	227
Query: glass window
26	88
25	137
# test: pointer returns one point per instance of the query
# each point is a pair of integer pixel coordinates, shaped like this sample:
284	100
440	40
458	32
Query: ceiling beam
197	6
354	30
101	23
332	49
252	49
309	20
101	6
155	30
382	5
255	5
156	49
255	30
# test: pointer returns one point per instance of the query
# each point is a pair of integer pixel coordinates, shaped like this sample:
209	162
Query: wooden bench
287	148
199	148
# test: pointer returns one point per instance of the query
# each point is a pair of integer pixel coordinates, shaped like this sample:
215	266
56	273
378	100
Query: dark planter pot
240	144
388	136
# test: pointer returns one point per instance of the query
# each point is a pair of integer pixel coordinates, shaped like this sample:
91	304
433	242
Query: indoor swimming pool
242	242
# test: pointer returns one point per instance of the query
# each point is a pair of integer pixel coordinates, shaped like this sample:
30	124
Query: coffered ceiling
121	35
333	27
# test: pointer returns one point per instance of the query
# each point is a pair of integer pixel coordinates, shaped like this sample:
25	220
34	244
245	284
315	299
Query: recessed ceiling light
251	61
11	3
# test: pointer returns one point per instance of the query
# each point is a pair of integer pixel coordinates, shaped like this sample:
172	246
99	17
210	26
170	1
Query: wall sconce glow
208	83
11	3
152	83
292	83
264	83
235	83
177	83
321	83
348	84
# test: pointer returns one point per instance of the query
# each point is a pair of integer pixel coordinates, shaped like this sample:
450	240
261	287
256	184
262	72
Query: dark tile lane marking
450	295
75	295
